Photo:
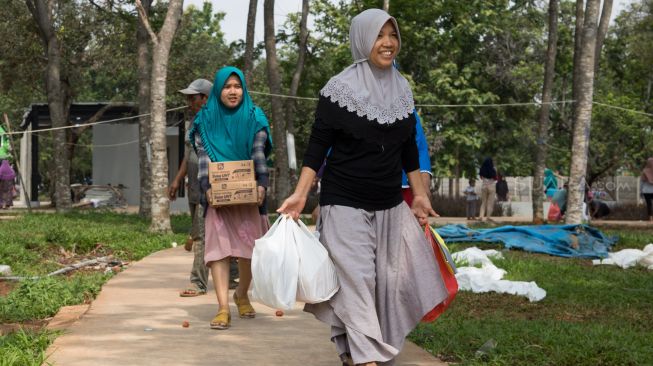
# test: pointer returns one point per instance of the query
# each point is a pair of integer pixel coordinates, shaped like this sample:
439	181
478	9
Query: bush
627	211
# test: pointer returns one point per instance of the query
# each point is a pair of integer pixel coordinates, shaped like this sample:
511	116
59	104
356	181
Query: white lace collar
386	99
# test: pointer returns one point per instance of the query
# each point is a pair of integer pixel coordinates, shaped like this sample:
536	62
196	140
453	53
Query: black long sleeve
364	165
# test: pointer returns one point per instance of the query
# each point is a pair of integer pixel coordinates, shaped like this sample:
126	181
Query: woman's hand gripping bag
317	279
447	270
275	265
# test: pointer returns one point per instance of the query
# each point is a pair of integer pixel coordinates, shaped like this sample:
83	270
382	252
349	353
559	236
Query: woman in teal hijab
550	183
230	128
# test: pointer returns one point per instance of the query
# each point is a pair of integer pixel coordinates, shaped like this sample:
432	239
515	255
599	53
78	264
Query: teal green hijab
550	180
227	134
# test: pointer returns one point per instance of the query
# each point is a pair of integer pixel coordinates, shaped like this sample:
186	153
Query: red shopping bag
554	213
447	271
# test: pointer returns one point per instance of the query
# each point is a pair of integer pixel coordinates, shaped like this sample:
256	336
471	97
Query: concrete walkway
137	320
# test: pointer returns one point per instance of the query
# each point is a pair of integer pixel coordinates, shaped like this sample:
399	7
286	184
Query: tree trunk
144	80
291	103
457	173
386	5
543	127
602	31
56	91
249	42
578	35
161	50
282	180
582	114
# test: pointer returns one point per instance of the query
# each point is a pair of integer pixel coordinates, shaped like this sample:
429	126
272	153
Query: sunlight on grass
592	315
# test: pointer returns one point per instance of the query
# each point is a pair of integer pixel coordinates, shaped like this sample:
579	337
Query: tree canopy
453	53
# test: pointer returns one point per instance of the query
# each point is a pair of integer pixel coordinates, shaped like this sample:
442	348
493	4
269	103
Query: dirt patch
6	287
31	325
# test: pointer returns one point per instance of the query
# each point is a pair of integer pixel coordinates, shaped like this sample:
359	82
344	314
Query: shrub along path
137	320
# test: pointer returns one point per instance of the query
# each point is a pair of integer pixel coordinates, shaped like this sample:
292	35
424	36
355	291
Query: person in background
197	93
503	193
470	198
646	187
231	127
7	181
488	188
386	269
598	209
424	164
550	183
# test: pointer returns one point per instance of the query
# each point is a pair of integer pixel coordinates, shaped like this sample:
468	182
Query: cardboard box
233	193
231	171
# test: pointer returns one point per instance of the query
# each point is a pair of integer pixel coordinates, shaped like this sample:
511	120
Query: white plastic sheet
627	258
488	277
289	263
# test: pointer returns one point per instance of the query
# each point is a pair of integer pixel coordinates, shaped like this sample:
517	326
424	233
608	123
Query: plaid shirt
258	155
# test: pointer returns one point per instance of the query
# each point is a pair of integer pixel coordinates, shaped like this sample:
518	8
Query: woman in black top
387	272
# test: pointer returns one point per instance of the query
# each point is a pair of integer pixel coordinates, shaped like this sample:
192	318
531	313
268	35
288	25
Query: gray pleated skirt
388	276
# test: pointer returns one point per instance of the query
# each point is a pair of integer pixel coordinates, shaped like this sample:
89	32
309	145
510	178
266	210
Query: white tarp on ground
489	277
627	258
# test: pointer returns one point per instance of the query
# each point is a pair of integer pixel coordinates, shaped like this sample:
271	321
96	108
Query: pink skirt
230	232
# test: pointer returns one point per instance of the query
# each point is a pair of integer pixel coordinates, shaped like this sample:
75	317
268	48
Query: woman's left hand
422	209
261	196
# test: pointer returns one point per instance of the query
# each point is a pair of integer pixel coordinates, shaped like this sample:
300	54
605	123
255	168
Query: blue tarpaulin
579	241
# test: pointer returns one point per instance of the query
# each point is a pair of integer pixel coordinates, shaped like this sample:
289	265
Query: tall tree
386	5
144	80
578	39
249	41
282	178
157	142
299	67
601	33
582	114
58	97
543	121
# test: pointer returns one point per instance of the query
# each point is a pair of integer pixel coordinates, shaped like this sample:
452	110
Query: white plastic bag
289	263
317	280
275	265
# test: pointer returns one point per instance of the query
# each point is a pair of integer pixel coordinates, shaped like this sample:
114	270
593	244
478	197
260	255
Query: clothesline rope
624	109
491	105
428	105
91	124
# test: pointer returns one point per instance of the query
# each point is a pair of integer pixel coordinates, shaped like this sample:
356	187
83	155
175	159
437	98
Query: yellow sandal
222	320
245	309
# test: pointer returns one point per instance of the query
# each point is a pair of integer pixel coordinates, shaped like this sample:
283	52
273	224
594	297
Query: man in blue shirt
424	164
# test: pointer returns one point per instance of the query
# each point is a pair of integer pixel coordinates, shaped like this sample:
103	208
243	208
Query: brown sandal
222	320
192	291
245	309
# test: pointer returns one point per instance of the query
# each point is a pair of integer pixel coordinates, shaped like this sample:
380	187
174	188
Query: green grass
24	348
592	315
33	245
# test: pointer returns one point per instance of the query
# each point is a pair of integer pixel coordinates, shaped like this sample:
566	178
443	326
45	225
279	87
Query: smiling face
385	47
232	92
